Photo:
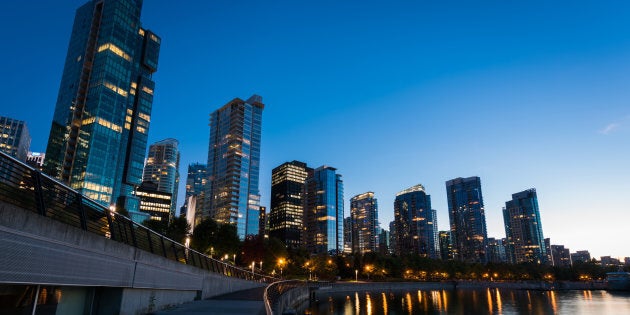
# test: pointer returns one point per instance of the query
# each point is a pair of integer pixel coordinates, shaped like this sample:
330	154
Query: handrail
275	290
30	189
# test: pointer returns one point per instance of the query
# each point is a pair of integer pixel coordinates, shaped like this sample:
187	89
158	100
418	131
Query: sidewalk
241	302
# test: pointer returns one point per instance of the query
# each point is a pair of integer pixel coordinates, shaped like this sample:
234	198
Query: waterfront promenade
241	302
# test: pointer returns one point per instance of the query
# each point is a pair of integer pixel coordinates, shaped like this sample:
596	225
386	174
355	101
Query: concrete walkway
241	302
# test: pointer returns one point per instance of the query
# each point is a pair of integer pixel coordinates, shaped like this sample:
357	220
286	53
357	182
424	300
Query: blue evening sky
521	93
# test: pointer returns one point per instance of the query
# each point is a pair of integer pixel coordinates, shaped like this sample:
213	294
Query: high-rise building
364	216
467	218
581	256
496	250
549	259
347	235
446	252
98	137
523	229
324	211
14	138
155	203
383	242
195	183
288	199
36	159
560	256
232	194
162	168
416	223
393	238
262	222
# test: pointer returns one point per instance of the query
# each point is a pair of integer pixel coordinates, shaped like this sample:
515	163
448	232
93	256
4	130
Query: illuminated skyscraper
98	137
364	218
288	199
446	251
195	183
416	223
14	138
233	165
324	211
523	230
162	168
468	220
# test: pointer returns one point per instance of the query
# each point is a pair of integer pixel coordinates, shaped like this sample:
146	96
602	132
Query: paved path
241	302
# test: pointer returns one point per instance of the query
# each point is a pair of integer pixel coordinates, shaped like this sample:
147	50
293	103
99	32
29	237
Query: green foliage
215	239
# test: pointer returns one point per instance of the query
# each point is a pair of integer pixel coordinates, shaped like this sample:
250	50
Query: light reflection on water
482	301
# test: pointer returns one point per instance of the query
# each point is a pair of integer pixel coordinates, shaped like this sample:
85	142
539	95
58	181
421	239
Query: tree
204	236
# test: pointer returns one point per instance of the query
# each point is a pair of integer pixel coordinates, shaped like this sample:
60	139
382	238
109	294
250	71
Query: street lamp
211	251
356	275
234	259
253	264
281	264
261	266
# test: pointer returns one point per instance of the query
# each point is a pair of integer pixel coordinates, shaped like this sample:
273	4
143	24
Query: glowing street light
356	275
281	263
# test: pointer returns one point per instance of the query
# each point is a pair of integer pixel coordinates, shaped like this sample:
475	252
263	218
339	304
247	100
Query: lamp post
211	251
261	266
253	263
234	259
356	275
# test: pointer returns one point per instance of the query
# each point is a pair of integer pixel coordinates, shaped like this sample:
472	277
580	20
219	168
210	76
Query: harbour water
477	301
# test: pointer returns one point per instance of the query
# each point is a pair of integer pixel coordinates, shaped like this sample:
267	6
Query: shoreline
462	284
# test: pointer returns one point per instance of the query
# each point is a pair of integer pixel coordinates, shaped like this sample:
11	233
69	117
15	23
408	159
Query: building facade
324	212
581	256
446	252
496	250
232	194
523	229
15	139
467	217
155	203
162	168
416	223
195	182
98	137
560	256
288	200
364	218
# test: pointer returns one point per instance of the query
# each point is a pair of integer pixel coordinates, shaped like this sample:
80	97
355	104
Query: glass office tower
162	168
364	216
324	212
98	137
233	165
416	223
14	138
195	183
523	230
469	238
288	199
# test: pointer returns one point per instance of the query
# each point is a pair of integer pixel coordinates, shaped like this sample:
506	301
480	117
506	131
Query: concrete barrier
41	251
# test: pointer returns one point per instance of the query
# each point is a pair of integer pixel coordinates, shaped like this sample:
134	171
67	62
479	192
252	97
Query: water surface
481	301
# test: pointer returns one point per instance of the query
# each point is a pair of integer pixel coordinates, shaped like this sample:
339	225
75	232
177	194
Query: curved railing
274	291
28	188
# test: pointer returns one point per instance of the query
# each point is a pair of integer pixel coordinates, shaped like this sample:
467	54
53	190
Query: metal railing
29	189
274	291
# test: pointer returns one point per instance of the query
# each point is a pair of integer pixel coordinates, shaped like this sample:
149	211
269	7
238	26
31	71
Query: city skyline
564	90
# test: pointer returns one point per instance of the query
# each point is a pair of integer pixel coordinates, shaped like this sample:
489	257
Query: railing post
82	215
39	192
108	214
150	242
133	234
163	246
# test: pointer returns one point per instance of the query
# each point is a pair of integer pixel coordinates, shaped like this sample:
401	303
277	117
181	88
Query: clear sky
523	94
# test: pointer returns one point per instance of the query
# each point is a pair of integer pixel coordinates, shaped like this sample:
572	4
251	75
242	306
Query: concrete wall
39	250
